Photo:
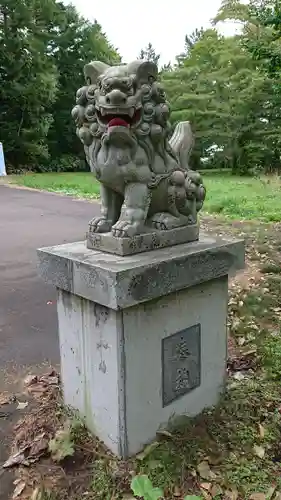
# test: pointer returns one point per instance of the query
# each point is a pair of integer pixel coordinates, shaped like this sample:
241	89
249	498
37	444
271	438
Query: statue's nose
116	98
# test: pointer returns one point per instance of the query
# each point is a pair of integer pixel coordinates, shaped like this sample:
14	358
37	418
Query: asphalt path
29	220
28	322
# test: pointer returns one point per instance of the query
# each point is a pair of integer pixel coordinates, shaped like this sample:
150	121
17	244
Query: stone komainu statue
122	118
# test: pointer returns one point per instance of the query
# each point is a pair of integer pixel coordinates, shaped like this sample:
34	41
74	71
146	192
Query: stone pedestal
142	337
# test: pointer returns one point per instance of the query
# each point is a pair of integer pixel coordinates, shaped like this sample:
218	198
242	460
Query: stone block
143	338
106	242
116	365
118	282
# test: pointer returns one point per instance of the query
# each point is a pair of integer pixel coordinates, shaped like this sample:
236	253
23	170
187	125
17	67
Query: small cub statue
122	119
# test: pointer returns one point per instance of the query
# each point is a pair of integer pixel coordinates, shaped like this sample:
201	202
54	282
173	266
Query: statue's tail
182	142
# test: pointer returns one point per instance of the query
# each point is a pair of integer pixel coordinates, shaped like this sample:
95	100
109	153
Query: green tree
232	10
219	90
263	44
43	48
260	36
77	42
28	80
149	54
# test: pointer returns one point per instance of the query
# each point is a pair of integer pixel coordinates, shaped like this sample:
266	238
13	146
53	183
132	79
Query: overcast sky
131	24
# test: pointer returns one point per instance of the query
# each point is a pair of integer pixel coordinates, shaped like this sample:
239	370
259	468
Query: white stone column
143	337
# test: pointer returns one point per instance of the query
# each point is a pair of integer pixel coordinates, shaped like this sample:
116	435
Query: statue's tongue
117	122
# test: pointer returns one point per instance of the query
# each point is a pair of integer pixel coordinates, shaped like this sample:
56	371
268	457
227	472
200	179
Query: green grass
244	198
232	197
81	185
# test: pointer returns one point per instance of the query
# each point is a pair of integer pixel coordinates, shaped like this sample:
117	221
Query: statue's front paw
125	229
100	225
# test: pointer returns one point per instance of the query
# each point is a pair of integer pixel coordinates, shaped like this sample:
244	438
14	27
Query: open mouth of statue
118	118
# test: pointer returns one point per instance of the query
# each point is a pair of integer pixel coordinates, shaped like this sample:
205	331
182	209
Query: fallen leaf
39	446
216	491
215	459
192	497
49	303
50	379
249	352
241	340
204	471
17	481
239	376
259	451
30	379
206	486
19	489
177	492
258	496
205	494
261	431
231	495
147	450
164	433
37	389
22	405
15	459
271	492
37	494
4	399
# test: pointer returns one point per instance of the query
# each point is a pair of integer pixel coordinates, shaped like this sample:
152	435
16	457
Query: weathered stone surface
119	282
112	361
152	240
122	119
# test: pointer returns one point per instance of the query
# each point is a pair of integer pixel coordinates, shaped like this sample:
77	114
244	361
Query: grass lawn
82	185
234	197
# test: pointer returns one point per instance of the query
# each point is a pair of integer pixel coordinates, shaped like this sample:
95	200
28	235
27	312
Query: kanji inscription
181	363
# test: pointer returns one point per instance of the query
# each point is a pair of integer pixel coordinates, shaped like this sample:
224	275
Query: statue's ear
93	70
147	71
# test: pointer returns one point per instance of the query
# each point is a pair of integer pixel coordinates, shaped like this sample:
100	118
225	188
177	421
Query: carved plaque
181	363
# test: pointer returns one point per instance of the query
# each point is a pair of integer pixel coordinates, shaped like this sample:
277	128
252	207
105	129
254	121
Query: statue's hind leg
165	221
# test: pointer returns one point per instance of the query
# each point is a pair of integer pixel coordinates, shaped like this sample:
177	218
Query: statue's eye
106	87
126	85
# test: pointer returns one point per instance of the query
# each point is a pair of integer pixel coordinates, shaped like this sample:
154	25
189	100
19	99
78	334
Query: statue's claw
125	229
164	221
100	225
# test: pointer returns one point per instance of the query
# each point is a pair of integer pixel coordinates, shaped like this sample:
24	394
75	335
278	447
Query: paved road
28	220
28	325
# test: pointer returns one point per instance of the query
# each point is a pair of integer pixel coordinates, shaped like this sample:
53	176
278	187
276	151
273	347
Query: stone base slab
145	242
118	282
